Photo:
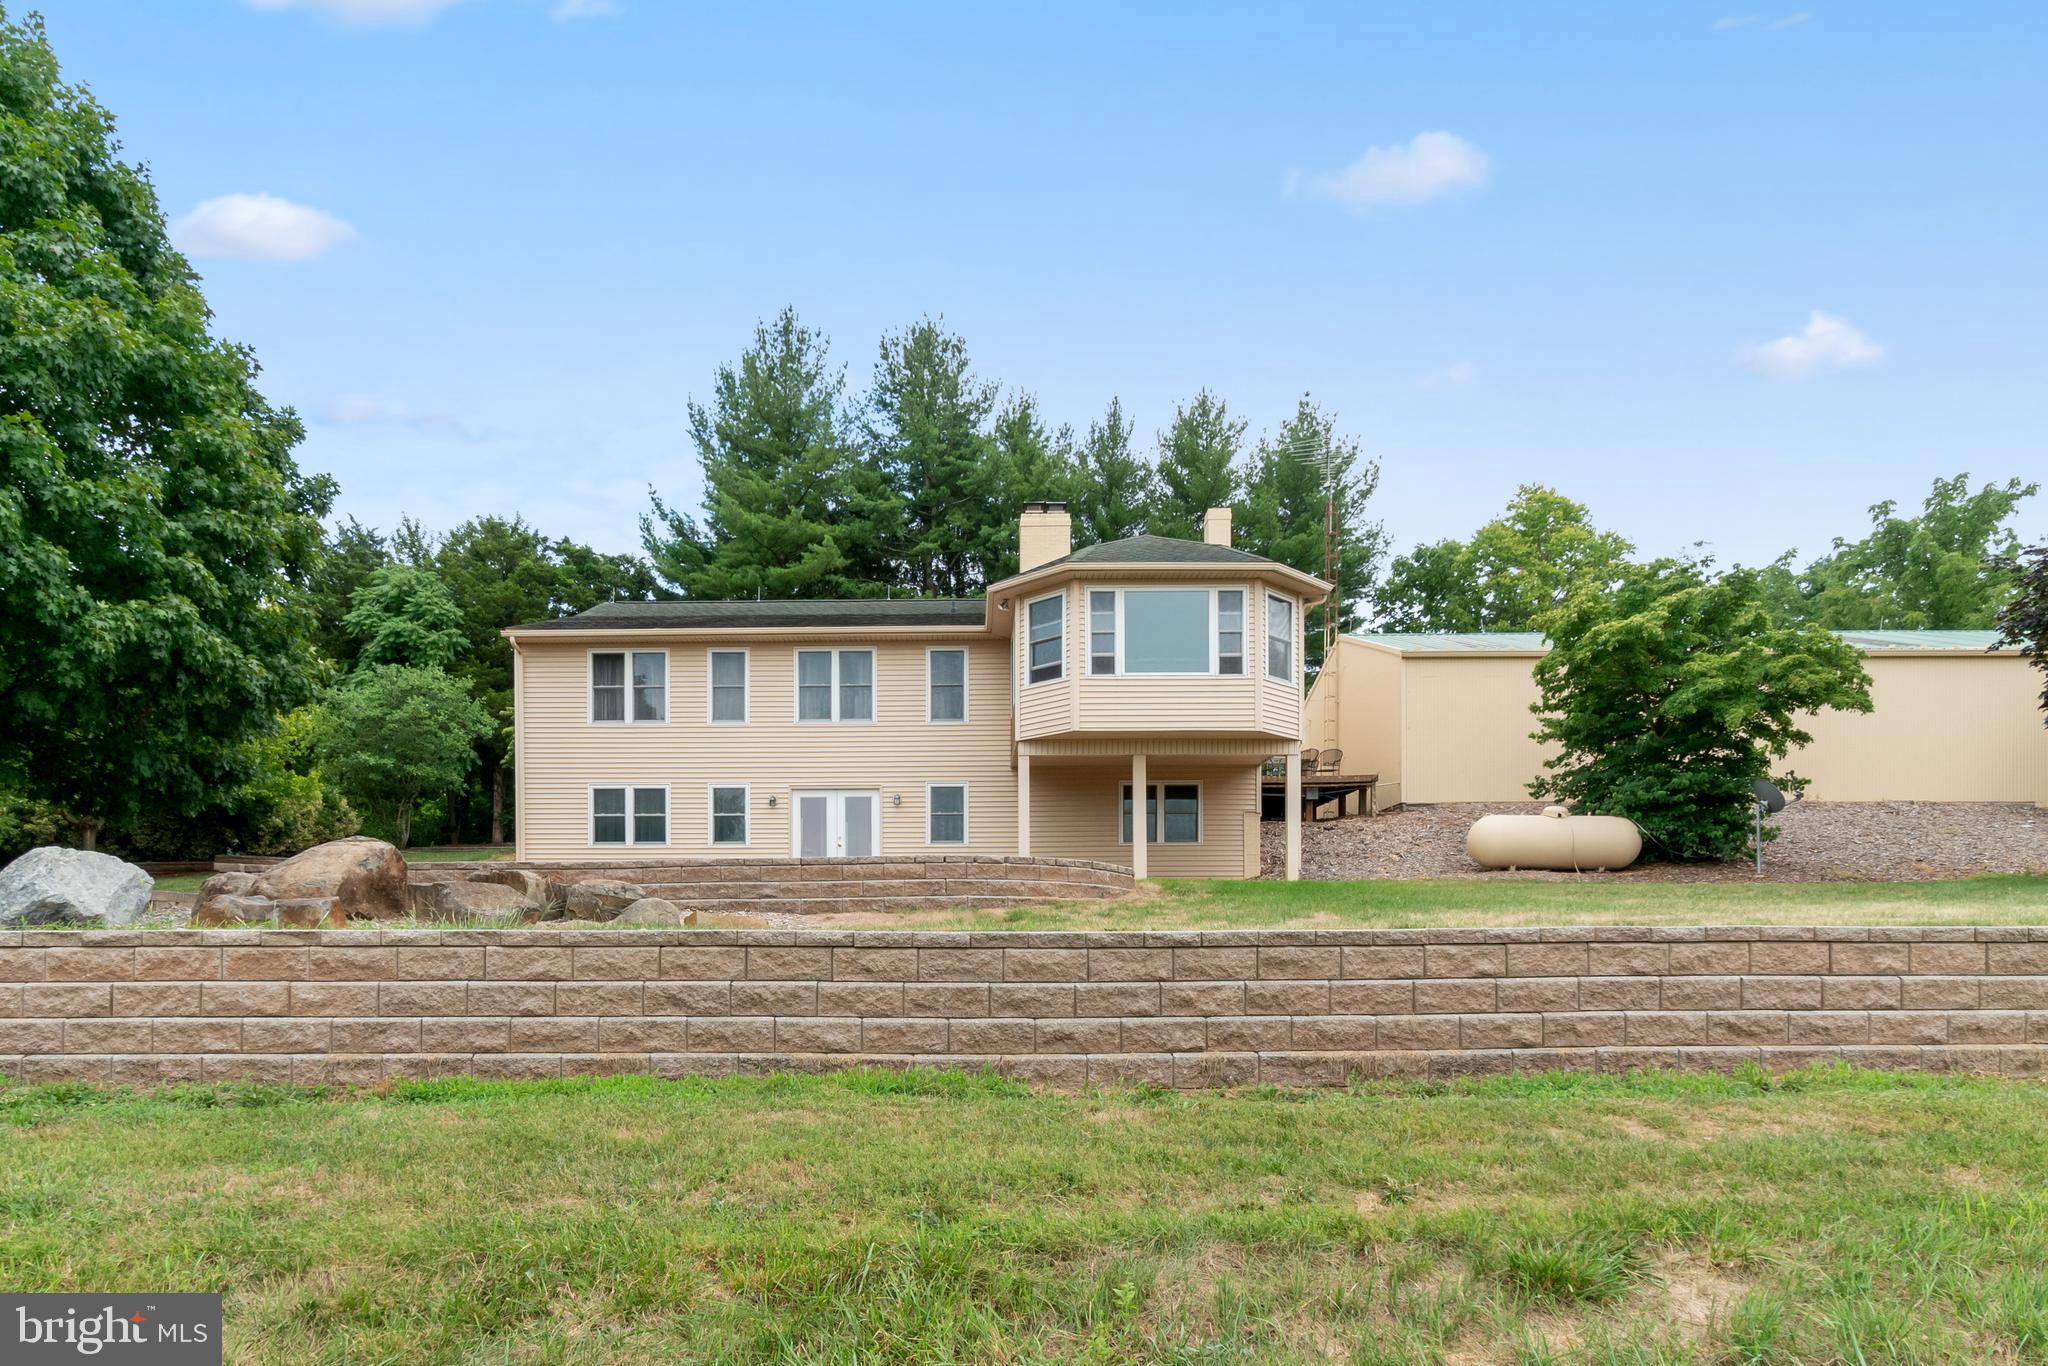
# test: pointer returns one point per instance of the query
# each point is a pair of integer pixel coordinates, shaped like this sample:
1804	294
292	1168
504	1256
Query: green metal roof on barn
1496	642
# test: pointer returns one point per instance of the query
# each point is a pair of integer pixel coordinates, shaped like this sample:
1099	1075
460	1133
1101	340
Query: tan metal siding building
1447	719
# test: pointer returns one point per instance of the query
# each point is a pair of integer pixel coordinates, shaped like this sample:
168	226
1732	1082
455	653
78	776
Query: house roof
1471	642
1157	550
701	615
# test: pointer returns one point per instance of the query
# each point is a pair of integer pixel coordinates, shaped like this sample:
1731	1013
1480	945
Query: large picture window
621	814
1173	813
835	685
1045	638
628	685
1189	631
1280	637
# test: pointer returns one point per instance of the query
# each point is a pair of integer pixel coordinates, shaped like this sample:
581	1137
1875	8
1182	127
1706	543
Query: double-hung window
624	815
628	685
728	687
1279	637
1173	813
1102	631
1230	630
729	814
835	685
1045	638
946	808
945	685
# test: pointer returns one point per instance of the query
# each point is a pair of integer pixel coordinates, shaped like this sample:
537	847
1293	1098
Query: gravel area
1817	842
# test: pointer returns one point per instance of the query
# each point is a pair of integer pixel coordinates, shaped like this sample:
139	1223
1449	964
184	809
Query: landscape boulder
310	913
652	911
55	886
532	886
364	878
205	912
477	901
599	898
228	909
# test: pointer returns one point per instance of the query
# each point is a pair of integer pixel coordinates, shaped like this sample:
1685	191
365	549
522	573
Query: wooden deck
1319	790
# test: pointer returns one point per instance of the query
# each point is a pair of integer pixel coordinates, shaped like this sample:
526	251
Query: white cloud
1791	20
258	227
1427	165
583	9
1728	22
361	411
1458	373
1825	343
363	11
1731	21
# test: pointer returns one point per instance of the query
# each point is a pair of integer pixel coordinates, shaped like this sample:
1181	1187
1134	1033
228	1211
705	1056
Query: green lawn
877	1217
2017	900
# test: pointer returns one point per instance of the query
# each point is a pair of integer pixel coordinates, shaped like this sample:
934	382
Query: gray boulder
478	901
599	898
651	911
53	886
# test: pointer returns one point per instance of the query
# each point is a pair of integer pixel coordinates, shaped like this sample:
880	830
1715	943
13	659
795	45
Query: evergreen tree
1283	512
1035	465
156	536
1112	482
347	557
790	511
1197	467
927	428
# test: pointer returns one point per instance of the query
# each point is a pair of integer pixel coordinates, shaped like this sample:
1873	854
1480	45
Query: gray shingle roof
700	615
1158	550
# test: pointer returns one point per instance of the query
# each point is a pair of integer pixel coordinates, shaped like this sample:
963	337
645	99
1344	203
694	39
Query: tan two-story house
1112	703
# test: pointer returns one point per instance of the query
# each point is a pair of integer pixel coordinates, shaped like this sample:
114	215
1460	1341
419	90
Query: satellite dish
1768	796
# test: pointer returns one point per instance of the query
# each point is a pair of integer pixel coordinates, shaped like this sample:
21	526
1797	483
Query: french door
836	824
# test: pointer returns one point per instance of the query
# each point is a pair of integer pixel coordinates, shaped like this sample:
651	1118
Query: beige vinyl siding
1140	704
1356	706
1075	813
1944	728
1467	730
561	754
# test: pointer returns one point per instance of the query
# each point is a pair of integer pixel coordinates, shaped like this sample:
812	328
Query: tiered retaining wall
836	886
1182	1009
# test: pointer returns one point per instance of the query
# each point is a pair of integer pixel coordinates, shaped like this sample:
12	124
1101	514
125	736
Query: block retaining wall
1292	1008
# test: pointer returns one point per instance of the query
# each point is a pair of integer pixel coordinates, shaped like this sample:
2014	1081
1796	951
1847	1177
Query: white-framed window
945	685
1166	631
628	686
1230	630
628	814
1102	630
1173	813
1045	635
945	806
835	685
729	807
727	686
1279	637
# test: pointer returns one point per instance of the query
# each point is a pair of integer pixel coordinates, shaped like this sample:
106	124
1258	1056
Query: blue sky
1726	272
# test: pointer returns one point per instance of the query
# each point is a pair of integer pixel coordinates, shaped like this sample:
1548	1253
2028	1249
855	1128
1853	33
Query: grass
949	1217
2001	900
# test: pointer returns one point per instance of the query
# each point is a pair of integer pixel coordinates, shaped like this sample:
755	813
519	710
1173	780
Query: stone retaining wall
836	886
1185	1009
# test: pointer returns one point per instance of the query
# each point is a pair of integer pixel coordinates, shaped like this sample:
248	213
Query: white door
836	824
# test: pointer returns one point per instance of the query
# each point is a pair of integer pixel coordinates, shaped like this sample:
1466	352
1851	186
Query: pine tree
1035	465
1113	484
1283	512
927	429
790	510
1197	466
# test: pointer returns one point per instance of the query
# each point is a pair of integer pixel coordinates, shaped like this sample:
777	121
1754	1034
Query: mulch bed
1817	842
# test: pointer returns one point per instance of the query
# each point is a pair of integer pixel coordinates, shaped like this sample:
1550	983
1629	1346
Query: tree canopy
1670	690
1197	466
156	536
1516	567
391	734
2023	620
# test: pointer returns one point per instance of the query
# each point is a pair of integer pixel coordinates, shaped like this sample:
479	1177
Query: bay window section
1102	631
1280	638
1045	636
1230	630
1166	630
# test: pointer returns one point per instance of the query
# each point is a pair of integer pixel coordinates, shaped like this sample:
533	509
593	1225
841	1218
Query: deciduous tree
403	615
391	734
155	533
1516	567
2023	620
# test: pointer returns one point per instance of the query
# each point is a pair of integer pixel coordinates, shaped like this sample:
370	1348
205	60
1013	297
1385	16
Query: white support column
1294	815
1138	816
1023	806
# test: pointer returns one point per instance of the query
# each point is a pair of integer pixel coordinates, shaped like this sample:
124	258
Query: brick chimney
1044	533
1216	527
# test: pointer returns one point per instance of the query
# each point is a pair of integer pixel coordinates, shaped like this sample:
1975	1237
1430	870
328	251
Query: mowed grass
1824	1217
2002	900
